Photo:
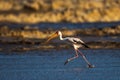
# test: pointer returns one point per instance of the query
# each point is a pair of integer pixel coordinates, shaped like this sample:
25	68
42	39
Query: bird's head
59	32
54	35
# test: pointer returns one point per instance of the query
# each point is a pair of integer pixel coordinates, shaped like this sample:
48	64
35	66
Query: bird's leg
76	56
89	65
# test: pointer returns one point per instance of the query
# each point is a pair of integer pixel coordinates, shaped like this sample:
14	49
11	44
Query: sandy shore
35	11
36	33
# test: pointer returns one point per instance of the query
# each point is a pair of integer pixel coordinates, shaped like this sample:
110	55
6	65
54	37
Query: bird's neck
60	36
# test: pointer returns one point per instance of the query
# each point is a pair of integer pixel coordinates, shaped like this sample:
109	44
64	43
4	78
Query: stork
76	43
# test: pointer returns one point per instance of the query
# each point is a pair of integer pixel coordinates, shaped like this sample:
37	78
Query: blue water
64	24
48	65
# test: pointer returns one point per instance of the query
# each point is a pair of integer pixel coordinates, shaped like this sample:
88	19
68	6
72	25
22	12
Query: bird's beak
51	37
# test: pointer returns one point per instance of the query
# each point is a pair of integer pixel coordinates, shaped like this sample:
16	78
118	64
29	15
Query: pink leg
89	65
70	59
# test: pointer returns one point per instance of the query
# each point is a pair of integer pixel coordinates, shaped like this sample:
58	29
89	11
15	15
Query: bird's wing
73	40
79	41
70	39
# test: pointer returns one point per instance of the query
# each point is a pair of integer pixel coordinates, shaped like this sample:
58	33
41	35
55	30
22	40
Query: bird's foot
66	62
90	66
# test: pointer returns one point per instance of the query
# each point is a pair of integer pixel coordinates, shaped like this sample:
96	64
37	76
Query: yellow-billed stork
76	42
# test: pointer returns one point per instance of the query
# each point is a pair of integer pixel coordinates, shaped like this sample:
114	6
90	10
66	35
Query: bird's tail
85	45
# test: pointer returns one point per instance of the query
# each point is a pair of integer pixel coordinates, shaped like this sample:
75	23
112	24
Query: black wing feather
85	45
78	42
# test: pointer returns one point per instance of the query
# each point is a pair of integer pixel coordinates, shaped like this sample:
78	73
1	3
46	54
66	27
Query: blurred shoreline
32	38
20	28
75	11
37	33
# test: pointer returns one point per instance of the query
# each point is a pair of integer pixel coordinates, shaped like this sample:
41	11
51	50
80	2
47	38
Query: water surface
46	25
48	65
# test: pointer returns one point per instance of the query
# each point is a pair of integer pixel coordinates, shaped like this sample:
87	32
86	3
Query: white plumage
76	42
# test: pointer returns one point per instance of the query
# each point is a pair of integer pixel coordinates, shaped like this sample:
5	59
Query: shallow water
48	65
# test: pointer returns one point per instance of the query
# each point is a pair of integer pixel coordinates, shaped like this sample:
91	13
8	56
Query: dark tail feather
85	45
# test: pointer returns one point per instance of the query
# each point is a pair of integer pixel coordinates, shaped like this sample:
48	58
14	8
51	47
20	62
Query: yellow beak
51	37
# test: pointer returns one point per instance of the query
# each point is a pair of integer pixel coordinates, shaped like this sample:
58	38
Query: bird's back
76	41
